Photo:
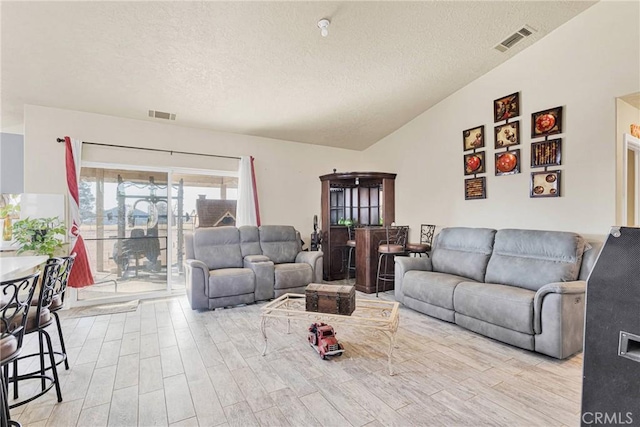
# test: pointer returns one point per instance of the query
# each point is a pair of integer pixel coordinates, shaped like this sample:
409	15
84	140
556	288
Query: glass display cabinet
361	199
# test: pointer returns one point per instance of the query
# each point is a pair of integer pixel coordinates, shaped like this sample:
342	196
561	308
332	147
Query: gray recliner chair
228	266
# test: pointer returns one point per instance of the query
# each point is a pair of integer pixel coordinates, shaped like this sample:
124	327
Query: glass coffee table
377	315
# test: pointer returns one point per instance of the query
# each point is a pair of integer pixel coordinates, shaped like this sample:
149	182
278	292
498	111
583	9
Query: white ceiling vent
161	115
514	38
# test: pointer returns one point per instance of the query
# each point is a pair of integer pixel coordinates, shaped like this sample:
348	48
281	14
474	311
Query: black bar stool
15	302
37	321
426	240
57	301
351	246
393	245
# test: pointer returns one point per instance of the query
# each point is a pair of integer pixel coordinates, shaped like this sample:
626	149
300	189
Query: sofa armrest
314	259
263	269
197	281
404	264
575	287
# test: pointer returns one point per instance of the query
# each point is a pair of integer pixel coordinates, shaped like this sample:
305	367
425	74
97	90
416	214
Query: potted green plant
39	235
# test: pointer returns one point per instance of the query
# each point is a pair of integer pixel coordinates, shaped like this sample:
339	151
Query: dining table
14	267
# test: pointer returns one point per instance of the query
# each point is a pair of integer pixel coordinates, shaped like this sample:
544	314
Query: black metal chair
37	321
57	302
15	302
426	240
393	245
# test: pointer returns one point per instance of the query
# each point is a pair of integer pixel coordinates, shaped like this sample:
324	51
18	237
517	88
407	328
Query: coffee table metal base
377	315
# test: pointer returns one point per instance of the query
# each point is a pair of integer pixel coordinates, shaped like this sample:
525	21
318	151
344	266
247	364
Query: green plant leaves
39	235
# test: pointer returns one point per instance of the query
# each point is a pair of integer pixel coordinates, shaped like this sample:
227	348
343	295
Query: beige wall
583	65
626	114
287	172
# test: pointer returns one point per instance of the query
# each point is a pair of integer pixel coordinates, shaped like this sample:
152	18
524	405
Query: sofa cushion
250	240
531	259
431	287
463	251
218	247
292	275
227	282
526	341
506	306
279	242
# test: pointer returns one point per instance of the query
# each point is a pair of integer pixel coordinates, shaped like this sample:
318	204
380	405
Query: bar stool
394	244
16	296
351	245
37	321
57	301
426	240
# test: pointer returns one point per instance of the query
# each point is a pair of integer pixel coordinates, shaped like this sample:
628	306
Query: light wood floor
165	364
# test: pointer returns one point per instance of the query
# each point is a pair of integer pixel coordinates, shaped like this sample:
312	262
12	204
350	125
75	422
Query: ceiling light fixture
323	24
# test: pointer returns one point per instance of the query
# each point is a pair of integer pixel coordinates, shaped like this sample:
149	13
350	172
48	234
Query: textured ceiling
259	68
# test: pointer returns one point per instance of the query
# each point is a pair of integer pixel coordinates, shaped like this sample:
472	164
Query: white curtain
246	212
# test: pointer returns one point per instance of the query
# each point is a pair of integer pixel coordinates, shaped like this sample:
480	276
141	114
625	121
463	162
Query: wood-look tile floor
166	364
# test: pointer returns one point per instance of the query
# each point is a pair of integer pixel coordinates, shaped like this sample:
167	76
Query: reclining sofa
227	266
521	287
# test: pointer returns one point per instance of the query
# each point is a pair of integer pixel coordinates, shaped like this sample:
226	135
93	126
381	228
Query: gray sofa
522	287
227	266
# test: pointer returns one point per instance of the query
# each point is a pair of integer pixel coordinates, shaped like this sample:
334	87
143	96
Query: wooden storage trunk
332	299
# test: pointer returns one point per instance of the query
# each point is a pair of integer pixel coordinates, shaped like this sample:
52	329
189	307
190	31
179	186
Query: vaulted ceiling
260	68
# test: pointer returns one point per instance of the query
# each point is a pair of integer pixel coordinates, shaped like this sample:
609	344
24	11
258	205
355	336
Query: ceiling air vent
514	38
161	115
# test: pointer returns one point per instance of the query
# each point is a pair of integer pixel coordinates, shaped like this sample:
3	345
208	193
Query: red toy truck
323	339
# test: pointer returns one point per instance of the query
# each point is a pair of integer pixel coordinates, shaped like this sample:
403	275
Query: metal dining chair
15	305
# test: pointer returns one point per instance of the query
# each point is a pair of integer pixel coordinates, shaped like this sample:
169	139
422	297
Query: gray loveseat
522	287
228	266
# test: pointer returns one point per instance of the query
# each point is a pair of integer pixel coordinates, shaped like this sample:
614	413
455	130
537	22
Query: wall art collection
474	163
544	153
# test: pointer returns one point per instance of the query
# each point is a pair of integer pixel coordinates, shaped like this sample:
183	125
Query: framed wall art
473	138
508	163
546	153
475	188
474	163
507	135
545	184
506	107
547	122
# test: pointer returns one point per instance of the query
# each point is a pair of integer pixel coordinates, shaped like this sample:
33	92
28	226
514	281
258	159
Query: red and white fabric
248	208
81	274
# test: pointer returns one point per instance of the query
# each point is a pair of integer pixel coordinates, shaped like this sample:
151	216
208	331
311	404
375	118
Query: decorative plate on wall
546	122
508	163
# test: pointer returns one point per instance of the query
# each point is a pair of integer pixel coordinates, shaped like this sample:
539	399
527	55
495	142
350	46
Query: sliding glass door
134	224
124	224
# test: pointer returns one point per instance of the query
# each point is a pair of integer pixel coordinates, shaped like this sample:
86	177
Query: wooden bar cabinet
367	199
